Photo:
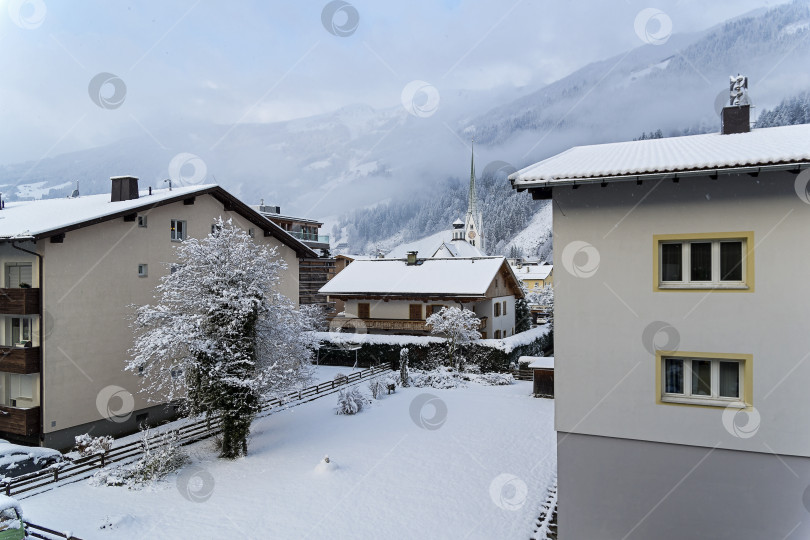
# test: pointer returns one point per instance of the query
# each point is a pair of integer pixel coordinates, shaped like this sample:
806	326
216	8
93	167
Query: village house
72	270
533	276
396	296
681	339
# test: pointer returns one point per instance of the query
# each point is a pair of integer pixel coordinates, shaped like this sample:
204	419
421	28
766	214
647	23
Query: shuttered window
364	311
17	273
415	312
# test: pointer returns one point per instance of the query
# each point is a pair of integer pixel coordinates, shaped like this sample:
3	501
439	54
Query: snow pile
494	379
341	338
118	522
511	343
545	528
326	465
441	377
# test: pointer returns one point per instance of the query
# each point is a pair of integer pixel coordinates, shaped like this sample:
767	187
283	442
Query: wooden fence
193	431
38	531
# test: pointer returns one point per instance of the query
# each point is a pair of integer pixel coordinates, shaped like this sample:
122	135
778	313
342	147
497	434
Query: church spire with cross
473	226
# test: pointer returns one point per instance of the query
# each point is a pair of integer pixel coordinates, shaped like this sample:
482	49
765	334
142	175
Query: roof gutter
793	168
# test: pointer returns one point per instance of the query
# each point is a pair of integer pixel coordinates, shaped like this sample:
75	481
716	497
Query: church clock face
471	234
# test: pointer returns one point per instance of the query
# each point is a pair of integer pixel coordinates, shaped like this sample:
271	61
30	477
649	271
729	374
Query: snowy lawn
482	473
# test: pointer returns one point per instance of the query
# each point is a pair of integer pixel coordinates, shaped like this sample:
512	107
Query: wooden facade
20	301
18	421
21	360
312	275
543	382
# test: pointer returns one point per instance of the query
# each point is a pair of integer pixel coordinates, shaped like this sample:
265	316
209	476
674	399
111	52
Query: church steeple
473	220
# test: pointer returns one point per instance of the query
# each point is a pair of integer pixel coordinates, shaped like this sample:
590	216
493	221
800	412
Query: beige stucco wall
605	372
91	281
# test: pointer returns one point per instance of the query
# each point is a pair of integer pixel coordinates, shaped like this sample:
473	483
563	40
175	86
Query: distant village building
395	296
71	271
534	276
681	376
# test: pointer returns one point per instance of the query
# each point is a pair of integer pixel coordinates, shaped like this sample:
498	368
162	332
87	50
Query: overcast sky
186	62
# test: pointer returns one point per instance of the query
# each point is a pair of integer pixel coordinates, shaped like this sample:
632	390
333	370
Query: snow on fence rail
33	530
186	434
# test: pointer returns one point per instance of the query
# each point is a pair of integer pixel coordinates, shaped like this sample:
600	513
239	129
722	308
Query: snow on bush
441	377
459	326
404	377
92	446
341	378
495	379
326	465
378	386
161	457
350	401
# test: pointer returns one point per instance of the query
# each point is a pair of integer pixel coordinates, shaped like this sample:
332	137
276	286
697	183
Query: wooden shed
542	368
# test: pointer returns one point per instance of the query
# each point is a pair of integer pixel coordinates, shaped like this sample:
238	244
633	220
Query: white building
397	295
681	338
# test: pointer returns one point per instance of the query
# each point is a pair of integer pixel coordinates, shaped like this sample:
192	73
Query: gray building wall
612	488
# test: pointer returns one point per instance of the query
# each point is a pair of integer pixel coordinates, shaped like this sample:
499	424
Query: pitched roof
761	147
390	277
44	218
534	271
428	246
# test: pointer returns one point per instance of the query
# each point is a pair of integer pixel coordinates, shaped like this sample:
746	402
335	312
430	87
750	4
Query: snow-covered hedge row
427	352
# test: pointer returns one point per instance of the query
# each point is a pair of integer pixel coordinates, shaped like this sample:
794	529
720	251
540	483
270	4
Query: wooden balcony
357	325
18	421
22	360
19	301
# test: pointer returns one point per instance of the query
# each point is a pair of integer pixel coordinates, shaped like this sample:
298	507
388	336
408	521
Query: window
504	307
21	387
364	310
19	331
723	261
18	275
142	221
704	379
435	308
178	230
483	335
497	309
415	312
143	270
497	334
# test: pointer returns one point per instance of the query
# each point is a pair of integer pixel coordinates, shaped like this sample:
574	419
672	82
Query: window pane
731	261
730	379
701	378
701	254
671	262
673	376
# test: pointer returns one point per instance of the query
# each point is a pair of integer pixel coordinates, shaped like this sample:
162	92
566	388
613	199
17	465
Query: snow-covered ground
479	468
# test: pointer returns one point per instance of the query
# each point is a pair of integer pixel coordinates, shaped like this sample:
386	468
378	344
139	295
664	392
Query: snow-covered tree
221	336
523	316
459	326
543	297
404	376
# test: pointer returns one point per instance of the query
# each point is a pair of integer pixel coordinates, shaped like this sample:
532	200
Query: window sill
703	286
705	402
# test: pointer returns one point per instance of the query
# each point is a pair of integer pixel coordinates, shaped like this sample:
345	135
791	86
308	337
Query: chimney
412	258
124	188
736	116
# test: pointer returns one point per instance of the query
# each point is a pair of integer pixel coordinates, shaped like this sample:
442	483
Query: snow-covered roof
430	245
760	147
31	218
458	222
534	271
44	217
454	277
539	362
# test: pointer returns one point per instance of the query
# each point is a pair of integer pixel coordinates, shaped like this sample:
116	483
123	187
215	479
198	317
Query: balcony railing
19	301
22	360
19	421
359	325
310	237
